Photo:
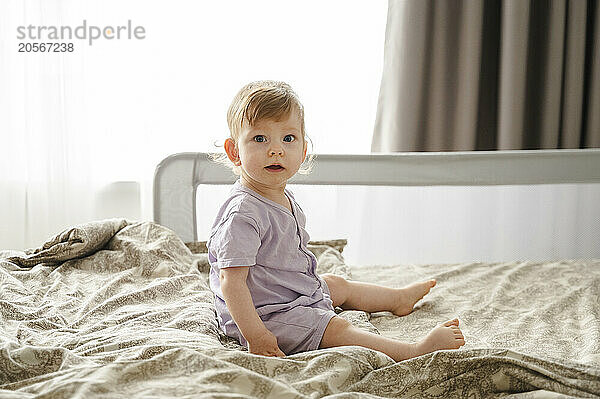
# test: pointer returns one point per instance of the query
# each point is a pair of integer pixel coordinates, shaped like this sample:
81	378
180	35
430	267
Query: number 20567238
46	47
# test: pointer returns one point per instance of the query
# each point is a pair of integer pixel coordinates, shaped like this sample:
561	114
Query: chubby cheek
250	161
298	158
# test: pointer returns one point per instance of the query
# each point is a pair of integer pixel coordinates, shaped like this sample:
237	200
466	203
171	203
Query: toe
432	283
453	322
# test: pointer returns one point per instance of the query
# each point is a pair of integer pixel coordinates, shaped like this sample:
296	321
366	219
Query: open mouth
274	167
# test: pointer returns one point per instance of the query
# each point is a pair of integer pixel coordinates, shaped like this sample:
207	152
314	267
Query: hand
265	344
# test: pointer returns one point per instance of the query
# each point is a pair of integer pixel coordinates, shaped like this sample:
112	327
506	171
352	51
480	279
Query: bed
120	308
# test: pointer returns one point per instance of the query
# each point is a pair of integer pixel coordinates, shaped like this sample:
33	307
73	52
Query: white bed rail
177	177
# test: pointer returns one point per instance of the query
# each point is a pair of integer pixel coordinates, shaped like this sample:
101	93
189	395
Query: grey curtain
488	75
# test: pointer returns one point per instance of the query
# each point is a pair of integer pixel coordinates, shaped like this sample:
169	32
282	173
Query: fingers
276	353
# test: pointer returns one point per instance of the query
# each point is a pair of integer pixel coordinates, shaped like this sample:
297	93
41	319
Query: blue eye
291	137
259	139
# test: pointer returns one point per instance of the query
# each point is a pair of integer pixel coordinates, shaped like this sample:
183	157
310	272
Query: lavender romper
290	298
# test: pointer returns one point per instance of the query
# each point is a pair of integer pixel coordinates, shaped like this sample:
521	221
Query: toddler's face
269	143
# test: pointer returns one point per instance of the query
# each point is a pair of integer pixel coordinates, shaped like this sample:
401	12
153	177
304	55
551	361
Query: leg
339	333
375	298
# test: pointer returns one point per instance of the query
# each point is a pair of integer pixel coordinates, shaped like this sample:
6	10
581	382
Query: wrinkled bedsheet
121	309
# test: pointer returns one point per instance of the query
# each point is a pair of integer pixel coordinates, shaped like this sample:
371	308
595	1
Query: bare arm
239	303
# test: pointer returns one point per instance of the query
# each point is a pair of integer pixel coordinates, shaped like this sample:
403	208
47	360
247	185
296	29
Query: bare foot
411	294
445	336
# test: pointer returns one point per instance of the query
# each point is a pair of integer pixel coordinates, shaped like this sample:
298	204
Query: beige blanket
121	310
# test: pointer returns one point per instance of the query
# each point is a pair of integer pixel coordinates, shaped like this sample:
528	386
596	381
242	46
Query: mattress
122	309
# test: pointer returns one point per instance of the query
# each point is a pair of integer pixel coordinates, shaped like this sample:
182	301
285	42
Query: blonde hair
261	100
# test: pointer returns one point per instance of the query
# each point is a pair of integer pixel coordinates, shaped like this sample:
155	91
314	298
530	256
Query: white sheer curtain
82	132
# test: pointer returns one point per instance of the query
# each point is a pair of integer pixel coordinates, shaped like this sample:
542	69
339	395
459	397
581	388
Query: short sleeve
236	242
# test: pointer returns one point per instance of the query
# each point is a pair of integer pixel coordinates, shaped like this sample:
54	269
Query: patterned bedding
122	310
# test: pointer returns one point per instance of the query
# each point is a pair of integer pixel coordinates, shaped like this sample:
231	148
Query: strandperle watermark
84	31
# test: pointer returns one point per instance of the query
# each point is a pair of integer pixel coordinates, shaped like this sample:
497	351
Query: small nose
274	151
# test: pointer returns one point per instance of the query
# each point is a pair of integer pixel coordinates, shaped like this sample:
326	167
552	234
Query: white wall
390	225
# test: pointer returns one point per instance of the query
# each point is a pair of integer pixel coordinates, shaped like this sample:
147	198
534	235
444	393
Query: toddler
267	292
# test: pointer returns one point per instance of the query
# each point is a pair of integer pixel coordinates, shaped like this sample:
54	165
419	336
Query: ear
232	152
